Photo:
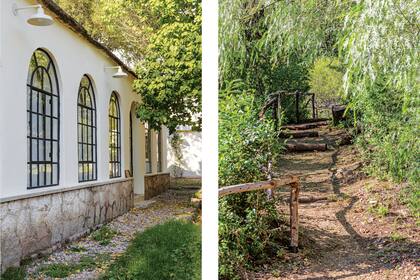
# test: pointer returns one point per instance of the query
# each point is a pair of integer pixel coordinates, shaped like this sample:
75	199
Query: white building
69	136
185	160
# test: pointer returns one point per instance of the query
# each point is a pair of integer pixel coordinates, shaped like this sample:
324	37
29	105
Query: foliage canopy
163	40
170	73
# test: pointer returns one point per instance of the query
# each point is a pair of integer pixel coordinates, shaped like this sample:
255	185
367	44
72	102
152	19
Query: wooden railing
293	182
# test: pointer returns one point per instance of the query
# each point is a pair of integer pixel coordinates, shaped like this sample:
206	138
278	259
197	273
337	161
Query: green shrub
246	145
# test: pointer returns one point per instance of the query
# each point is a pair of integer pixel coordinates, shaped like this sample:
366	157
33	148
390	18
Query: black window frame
43	95
114	130
84	142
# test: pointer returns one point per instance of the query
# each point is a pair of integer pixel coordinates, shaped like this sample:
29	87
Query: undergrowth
14	273
62	270
247	221
104	235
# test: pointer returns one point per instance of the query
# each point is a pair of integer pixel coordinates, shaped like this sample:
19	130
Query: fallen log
304	126
298	134
306	147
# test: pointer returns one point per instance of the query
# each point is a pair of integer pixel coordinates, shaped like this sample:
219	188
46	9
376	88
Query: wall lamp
38	19
119	74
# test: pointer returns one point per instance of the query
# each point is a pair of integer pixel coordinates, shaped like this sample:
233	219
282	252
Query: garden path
87	258
354	227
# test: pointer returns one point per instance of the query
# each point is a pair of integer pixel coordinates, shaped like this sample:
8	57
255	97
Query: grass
62	270
77	249
13	273
168	251
104	235
380	210
410	196
396	236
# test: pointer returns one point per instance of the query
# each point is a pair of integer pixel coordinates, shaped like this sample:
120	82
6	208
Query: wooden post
294	218
297	106
313	106
275	115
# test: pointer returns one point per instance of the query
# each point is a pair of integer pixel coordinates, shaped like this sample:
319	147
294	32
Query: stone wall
40	223
155	184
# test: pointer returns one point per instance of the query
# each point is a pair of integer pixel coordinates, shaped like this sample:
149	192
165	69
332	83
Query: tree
170	73
120	25
162	38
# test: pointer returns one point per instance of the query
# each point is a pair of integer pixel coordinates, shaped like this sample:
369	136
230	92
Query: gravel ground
170	205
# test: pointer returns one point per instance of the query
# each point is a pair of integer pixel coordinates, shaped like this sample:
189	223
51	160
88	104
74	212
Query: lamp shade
120	73
40	18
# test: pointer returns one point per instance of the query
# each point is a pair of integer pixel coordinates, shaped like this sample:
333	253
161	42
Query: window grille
114	137
43	120
86	131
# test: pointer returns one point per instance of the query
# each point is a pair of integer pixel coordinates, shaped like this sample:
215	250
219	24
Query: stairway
313	136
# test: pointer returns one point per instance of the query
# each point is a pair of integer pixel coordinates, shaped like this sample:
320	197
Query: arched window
86	131
114	137
43	116
148	148
159	150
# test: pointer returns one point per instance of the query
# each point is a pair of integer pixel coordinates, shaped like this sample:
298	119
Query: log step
306	147
304	126
299	134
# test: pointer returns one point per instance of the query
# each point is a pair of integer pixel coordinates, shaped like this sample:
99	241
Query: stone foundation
36	224
155	184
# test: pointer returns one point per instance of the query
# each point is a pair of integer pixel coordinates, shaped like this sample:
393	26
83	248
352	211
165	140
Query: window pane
48	151
48	128
34	175
55	151
55	106
41	171
48	170
34	150
55	173
55	129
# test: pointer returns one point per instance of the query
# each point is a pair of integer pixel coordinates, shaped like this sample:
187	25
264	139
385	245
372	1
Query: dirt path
343	235
93	257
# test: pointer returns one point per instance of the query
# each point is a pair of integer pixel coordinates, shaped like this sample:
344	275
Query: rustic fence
293	183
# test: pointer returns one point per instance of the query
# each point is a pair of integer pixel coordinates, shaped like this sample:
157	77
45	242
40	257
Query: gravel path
340	238
170	205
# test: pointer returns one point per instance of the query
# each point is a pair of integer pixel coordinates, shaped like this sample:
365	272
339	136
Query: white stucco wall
73	57
191	164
